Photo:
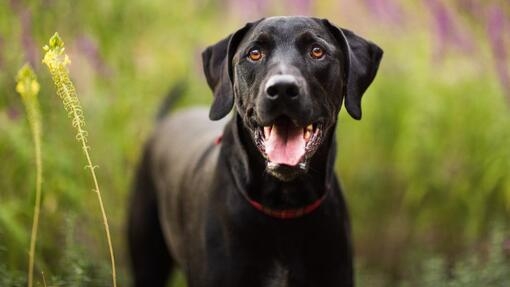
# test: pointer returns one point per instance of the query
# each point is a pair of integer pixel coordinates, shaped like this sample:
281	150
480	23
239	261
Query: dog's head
288	77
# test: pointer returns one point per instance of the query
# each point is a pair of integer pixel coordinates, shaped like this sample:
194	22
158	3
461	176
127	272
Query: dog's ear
217	64
361	61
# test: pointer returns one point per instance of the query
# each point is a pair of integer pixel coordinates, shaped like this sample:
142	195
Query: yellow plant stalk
28	87
57	60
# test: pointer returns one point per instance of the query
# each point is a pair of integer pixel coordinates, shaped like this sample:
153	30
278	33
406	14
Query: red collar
287	213
284	213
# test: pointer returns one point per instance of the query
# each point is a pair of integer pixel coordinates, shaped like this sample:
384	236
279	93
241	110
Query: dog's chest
278	276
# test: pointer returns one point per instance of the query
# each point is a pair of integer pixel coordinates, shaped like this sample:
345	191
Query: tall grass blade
57	60
28	88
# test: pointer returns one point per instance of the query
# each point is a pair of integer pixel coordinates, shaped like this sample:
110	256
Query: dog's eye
255	54
317	52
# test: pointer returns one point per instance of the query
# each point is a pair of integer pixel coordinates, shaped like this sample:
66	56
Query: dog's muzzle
286	137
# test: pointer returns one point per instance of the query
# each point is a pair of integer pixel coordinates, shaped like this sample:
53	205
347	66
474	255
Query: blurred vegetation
425	172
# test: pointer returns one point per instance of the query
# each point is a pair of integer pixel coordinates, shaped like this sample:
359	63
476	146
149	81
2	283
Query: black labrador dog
255	201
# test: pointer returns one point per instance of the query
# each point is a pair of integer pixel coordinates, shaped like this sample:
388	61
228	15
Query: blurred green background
426	171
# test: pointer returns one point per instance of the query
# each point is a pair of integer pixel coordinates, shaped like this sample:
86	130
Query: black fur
190	197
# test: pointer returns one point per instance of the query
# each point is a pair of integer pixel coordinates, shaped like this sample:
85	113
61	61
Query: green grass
425	171
490	268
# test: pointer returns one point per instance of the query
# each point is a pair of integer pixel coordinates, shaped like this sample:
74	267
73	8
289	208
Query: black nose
282	87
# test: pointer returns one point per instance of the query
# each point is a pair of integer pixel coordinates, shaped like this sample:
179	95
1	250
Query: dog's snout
282	87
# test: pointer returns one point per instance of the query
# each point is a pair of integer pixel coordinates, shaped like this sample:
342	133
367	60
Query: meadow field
426	172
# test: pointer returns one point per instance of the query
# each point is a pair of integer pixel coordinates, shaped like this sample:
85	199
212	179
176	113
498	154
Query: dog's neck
253	180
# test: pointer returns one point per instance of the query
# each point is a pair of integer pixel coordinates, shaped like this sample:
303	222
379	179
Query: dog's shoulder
183	141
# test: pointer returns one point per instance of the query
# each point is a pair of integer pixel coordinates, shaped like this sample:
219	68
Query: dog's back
184	146
185	151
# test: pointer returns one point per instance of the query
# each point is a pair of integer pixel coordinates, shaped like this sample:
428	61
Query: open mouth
284	143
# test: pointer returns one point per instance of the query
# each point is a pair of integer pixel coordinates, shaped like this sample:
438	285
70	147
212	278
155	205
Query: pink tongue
285	144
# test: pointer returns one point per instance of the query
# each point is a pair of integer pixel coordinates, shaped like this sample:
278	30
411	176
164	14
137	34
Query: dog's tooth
307	134
271	165
309	128
267	132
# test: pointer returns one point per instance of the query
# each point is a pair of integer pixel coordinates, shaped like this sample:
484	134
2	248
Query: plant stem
56	60
37	206
28	88
99	198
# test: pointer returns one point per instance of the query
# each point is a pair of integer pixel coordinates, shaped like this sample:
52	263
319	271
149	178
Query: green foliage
425	171
76	268
494	271
11	278
489	267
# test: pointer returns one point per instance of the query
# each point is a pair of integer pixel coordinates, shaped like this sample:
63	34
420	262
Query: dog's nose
282	86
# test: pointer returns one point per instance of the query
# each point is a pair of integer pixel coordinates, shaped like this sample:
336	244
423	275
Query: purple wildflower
447	29
386	10
89	48
27	41
300	7
31	51
249	9
495	30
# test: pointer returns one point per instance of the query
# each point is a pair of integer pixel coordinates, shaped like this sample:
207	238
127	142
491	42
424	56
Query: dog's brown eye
317	52
255	54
